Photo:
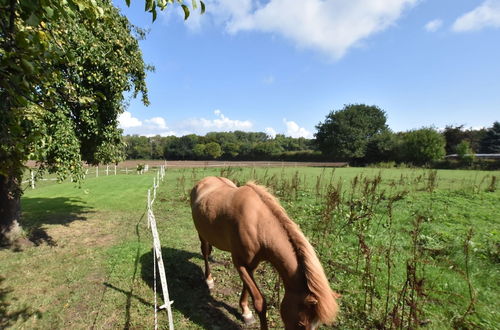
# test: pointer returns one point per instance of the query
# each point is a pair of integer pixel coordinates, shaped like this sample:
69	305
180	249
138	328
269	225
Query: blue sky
280	66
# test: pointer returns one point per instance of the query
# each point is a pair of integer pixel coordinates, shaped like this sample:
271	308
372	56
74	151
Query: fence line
32	180
157	256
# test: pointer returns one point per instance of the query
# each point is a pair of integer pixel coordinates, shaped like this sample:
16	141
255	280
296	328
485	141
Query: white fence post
96	171
149	206
107	170
115	169
32	180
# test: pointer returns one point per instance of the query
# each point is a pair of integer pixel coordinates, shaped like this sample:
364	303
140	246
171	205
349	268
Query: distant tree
137	147
213	150
453	136
157	143
382	147
465	153
423	146
345	134
231	149
490	144
199	150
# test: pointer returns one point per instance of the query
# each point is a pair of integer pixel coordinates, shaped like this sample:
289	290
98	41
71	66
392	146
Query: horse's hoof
249	319
210	284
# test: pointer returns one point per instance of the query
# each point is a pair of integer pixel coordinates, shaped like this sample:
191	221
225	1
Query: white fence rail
32	179
157	256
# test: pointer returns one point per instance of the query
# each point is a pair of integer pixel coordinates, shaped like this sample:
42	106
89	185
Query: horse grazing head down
304	311
250	223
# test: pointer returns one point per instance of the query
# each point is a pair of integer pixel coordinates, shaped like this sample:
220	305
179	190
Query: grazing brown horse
249	222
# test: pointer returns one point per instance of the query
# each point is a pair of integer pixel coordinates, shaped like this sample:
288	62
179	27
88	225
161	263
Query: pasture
406	248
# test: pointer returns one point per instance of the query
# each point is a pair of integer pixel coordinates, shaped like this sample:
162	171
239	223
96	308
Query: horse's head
298	311
302	311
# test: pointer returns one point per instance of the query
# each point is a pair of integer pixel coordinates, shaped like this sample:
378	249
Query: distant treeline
357	134
237	145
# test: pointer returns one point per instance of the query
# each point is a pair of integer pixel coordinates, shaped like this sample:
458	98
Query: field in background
404	247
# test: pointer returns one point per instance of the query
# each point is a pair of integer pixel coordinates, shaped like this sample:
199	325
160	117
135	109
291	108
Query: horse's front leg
259	302
245	310
206	249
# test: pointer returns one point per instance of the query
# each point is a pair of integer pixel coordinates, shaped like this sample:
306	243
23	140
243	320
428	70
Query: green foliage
236	145
382	147
422	146
64	69
213	150
491	142
465	153
345	134
456	134
199	150
153	5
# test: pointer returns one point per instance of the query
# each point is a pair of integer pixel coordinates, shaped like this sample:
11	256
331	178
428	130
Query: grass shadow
188	290
37	212
8	318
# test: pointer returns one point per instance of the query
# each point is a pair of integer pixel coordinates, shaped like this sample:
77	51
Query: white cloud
271	132
126	120
295	131
433	25
148	127
329	26
483	16
156	123
220	124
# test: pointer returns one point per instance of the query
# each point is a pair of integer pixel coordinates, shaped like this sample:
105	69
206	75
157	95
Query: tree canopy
345	134
491	141
236	145
423	146
64	66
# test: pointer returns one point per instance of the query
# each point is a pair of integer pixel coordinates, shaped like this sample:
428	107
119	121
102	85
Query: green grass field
405	248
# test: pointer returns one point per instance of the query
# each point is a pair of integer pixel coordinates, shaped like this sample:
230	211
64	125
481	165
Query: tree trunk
10	209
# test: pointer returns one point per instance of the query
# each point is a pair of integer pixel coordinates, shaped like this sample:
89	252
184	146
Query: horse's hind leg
206	249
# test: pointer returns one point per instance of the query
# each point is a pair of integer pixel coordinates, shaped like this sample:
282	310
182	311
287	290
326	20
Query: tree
199	150
465	153
137	147
453	136
64	66
490	144
423	146
382	147
345	134
213	150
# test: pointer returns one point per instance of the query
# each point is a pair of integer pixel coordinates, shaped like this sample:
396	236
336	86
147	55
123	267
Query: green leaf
154	14
149	5
186	11
27	66
194	3
127	2
49	11
202	7
33	20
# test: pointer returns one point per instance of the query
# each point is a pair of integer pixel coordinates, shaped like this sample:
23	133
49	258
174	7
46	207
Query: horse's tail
322	296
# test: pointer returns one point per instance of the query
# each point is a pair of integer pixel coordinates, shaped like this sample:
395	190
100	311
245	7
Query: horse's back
224	215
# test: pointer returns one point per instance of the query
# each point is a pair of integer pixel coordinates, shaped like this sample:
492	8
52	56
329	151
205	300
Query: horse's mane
326	307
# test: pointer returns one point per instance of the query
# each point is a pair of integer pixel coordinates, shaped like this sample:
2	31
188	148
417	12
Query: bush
423	146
